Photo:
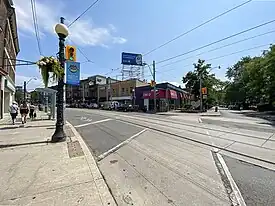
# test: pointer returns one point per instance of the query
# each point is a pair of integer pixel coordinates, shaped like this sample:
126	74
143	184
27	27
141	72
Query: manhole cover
74	149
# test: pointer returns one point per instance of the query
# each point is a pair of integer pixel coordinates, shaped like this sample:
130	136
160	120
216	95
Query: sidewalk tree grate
75	149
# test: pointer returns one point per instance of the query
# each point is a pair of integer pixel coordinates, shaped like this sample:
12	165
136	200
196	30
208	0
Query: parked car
125	108
92	106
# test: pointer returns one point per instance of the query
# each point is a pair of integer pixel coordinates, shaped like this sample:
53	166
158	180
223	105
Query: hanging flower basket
48	66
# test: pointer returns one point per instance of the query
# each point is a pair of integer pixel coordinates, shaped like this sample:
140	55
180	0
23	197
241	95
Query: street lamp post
59	134
25	86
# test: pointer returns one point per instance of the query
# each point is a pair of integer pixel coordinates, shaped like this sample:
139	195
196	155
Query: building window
127	91
131	90
123	90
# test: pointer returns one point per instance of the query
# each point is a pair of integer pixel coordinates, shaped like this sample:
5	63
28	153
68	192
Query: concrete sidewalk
7	118
36	172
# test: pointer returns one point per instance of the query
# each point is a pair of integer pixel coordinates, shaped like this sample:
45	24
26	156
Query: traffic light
70	53
204	90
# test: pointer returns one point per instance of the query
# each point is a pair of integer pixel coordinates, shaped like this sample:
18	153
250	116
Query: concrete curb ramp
102	188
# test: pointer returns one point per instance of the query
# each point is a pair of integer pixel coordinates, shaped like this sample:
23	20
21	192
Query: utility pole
25	90
200	92
83	92
154	78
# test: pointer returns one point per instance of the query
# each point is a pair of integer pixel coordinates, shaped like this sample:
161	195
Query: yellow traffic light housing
70	53
152	83
204	90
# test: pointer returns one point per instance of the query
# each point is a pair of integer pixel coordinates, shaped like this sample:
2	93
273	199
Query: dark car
125	108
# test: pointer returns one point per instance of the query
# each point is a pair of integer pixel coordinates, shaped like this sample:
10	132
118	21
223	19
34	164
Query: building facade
124	91
168	97
94	89
9	48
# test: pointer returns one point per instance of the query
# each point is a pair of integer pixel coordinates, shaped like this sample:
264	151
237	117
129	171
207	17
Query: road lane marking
105	154
200	120
90	123
236	191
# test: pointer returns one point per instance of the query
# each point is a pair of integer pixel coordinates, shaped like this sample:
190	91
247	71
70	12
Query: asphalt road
256	184
103	136
170	149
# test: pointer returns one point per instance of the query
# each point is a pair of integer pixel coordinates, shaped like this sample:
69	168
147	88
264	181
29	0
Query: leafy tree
252	79
19	96
34	96
192	82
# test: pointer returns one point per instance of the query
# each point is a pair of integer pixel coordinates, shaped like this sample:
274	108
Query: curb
102	188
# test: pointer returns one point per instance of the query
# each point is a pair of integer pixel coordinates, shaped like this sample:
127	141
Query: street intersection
175	158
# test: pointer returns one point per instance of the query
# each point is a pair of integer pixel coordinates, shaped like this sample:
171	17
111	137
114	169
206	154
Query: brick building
9	48
123	91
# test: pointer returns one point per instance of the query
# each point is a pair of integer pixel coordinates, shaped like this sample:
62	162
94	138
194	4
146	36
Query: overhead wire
94	3
219	57
196	27
217	48
36	27
215	42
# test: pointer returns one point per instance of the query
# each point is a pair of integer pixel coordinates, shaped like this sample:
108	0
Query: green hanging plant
47	66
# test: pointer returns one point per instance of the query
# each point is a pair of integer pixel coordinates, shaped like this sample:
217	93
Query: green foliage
214	85
49	65
34	96
19	95
252	79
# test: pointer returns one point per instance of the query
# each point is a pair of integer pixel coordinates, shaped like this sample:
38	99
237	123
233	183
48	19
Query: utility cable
222	56
211	50
218	41
35	24
200	25
94	3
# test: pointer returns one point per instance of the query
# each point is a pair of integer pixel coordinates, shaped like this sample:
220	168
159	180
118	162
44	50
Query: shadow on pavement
27	126
269	116
22	144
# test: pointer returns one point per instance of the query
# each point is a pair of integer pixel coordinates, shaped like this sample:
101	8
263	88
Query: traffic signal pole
154	78
200	93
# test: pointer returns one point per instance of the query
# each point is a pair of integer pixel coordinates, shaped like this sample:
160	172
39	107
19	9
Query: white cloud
82	32
119	40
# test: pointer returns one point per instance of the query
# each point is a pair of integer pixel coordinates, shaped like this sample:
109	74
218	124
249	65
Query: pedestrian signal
70	53
204	90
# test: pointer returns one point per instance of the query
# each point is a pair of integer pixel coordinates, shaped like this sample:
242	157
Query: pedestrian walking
24	110
13	111
32	111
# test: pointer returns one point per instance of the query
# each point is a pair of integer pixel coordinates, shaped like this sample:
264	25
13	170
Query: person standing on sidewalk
24	110
13	111
32	111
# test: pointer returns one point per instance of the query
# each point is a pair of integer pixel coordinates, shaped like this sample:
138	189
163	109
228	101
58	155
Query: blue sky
112	27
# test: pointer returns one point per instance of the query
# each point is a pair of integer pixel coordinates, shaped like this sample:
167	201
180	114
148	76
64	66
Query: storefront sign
173	94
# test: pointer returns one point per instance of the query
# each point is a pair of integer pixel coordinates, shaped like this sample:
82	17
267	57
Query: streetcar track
176	171
198	141
207	144
210	129
201	133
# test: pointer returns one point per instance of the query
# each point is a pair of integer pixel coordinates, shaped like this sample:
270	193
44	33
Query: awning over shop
160	93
